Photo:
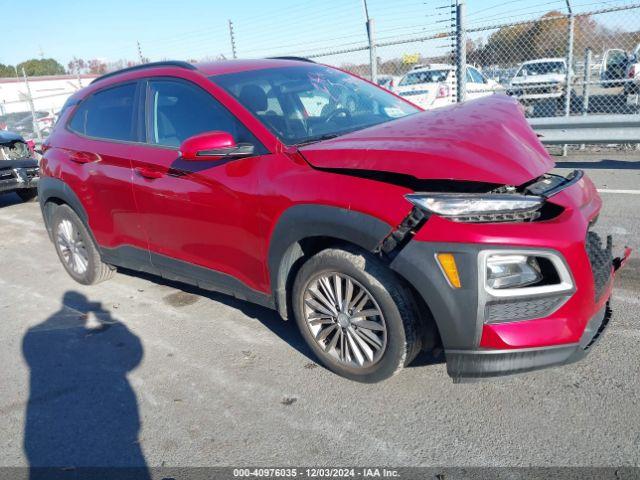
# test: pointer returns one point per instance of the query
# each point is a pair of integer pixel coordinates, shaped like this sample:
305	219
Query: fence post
586	85
34	120
233	39
373	59
587	80
461	52
567	93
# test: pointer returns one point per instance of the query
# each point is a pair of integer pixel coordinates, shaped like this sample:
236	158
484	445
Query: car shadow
286	330
82	417
603	164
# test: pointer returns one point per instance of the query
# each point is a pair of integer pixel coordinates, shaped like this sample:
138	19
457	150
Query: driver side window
178	110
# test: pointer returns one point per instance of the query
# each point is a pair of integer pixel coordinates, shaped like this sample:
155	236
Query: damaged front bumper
18	174
487	333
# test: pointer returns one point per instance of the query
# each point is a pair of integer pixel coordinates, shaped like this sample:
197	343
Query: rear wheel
76	248
355	314
27	194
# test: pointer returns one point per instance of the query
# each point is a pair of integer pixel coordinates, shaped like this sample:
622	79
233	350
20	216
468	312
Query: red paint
221	215
193	148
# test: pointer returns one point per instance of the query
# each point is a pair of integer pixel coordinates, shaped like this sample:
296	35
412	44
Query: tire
76	249
397	332
28	194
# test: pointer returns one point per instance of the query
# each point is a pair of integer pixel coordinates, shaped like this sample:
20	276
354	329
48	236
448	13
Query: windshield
306	103
542	68
424	76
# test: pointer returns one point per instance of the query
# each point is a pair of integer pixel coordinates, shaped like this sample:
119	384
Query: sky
110	30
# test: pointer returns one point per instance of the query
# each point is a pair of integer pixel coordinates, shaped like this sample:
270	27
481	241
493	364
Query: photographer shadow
82	417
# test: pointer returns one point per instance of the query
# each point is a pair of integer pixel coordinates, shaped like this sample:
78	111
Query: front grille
601	261
528	309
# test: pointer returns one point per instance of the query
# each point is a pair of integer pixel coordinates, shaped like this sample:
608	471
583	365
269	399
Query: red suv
381	229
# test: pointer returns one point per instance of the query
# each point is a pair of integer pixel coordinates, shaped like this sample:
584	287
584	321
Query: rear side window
107	114
179	110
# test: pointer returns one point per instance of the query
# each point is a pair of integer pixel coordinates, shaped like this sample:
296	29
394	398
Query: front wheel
355	314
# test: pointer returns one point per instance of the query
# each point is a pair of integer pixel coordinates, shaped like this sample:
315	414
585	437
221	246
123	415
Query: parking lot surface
140	371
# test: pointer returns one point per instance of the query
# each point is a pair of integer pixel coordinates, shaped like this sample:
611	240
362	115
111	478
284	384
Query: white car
541	79
433	86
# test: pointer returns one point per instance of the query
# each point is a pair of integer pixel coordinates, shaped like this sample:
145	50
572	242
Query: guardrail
589	129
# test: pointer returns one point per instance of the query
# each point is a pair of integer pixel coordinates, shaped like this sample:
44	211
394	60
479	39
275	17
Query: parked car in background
433	86
18	168
390	82
613	69
541	80
22	123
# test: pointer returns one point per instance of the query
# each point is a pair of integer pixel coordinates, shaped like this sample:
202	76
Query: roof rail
299	59
169	63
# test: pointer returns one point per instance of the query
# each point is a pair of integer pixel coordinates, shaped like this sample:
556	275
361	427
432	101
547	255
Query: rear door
197	214
100	143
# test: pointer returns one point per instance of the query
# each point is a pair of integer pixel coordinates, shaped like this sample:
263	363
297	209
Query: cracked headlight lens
469	207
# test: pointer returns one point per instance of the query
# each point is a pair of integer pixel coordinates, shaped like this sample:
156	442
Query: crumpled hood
485	140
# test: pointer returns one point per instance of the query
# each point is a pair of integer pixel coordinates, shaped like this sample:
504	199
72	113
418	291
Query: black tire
398	307
96	270
28	194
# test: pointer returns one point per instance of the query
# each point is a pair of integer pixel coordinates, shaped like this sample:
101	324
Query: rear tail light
443	91
632	71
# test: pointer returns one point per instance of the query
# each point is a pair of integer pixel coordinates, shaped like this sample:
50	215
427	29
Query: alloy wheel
72	247
345	320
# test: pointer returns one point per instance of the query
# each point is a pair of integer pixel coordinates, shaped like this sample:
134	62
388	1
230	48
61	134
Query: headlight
512	271
469	207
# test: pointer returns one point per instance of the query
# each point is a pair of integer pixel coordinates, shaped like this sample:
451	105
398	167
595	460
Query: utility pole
373	59
233	39
461	52
33	110
140	52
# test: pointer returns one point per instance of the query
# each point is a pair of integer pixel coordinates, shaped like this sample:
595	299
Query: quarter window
107	114
180	110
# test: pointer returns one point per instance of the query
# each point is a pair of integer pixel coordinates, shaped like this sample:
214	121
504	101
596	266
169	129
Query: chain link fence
562	60
559	62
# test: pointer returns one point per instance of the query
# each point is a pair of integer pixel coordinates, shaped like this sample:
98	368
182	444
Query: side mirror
213	146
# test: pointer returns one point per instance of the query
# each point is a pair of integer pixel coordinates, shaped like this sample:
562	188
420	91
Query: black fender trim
455	310
306	221
48	188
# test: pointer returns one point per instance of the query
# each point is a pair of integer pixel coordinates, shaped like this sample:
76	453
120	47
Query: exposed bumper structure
18	174
486	332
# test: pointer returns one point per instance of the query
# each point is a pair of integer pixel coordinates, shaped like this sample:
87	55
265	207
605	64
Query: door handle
148	173
84	157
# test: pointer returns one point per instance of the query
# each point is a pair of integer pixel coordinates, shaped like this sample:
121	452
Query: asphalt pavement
139	371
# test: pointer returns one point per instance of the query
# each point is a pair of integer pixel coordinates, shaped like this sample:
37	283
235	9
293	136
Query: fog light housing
512	271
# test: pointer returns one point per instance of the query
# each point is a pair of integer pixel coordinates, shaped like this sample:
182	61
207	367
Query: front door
200	216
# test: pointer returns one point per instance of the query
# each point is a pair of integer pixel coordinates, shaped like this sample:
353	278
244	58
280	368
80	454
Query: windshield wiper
318	138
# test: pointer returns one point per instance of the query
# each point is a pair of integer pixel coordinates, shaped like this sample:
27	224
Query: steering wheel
336	112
